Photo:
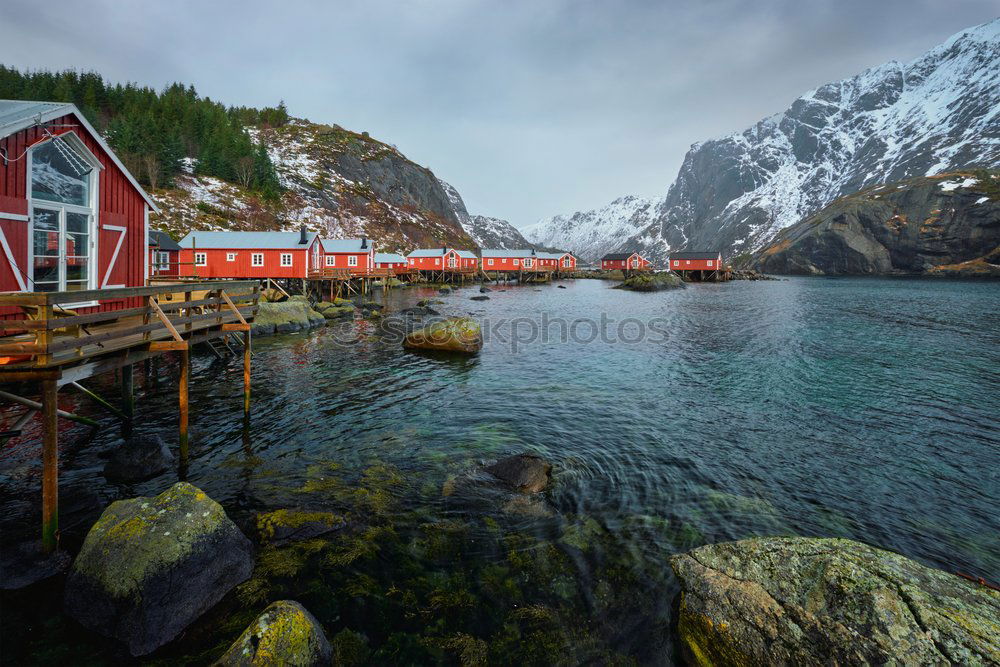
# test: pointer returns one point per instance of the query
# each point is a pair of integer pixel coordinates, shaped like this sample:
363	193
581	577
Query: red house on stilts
72	218
250	254
164	255
624	261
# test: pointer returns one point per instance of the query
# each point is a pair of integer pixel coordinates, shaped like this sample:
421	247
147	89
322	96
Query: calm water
859	408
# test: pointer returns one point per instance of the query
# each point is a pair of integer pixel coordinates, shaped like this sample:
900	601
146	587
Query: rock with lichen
528	473
650	281
289	525
809	601
455	334
284	634
151	566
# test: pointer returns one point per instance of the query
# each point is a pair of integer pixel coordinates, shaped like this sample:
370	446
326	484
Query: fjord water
859	408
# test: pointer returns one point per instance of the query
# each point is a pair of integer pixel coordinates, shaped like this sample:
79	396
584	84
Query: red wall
613	264
118	203
365	260
218	267
505	263
172	268
694	264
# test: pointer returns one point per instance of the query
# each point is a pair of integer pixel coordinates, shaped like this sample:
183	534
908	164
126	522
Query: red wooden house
434	259
467	259
621	261
695	261
557	261
510	260
164	255
72	217
250	254
357	255
390	260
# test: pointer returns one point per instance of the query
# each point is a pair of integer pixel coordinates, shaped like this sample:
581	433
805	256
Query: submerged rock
528	473
649	281
810	601
561	286
25	564
423	303
369	305
484	289
281	526
455	334
444	290
481	297
284	634
294	314
151	566
140	457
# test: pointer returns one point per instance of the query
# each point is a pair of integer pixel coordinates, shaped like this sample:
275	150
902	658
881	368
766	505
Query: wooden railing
48	333
332	273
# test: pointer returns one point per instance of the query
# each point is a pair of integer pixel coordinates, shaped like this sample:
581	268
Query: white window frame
257	259
162	260
489	262
331	260
517	262
94	226
451	261
201	259
687	261
230	256
437	261
710	262
528	263
286	259
566	262
677	262
352	260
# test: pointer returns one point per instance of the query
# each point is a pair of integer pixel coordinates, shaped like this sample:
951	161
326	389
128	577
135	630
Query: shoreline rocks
284	634
293	314
138	458
455	334
811	601
649	281
150	567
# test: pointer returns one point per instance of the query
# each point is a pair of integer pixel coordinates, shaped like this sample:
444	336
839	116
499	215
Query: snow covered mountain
485	231
591	234
937	113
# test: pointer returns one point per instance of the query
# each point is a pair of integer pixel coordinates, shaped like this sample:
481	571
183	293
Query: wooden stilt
50	465
246	374
182	386
128	397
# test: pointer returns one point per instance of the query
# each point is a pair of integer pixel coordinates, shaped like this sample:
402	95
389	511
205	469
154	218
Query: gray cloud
528	108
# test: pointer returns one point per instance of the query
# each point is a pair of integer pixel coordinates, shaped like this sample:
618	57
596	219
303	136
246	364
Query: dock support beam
50	465
182	391
246	374
128	398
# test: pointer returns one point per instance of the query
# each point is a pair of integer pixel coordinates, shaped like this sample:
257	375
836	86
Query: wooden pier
45	345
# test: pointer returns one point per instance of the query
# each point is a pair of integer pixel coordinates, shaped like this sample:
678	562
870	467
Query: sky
530	108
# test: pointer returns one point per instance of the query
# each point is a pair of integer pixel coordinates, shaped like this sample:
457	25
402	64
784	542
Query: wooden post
128	397
50	466
182	386
246	374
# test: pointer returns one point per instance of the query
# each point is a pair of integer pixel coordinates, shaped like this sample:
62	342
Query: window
677	262
687	261
257	259
331	260
710	262
527	262
451	261
63	180
490	261
230	256
286	259
413	262
566	262
200	259
437	261
162	260
352	260
516	262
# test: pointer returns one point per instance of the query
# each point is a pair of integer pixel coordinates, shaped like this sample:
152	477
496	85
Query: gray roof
246	240
15	115
695	255
613	256
550	255
345	245
387	257
524	252
467	254
162	240
428	252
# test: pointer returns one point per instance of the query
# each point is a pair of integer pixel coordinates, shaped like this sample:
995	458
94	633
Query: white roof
247	240
388	258
524	252
16	115
345	245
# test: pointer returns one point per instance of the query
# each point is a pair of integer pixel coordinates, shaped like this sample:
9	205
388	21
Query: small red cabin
164	255
357	255
390	260
250	254
467	259
71	216
557	261
622	261
695	261
510	260
434	259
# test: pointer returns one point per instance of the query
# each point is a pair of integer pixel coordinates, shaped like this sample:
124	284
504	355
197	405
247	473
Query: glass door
60	249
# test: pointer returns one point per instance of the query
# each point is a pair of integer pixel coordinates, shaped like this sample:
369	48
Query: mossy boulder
294	314
810	601
455	334
284	634
332	311
649	281
528	473
151	566
290	525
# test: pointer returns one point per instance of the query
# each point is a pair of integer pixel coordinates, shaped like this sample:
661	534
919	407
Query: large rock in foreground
294	314
455	334
284	634
151	566
807	601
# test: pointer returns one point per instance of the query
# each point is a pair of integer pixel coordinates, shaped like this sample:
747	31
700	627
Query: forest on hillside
153	132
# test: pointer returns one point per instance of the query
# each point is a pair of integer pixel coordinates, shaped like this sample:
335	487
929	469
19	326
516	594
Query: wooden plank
163	318
236	326
168	345
232	307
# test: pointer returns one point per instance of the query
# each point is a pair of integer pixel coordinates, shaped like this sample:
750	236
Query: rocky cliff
945	224
937	113
337	182
485	232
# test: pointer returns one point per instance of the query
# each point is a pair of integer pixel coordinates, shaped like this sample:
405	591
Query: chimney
532	252
302	235
444	250
364	243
